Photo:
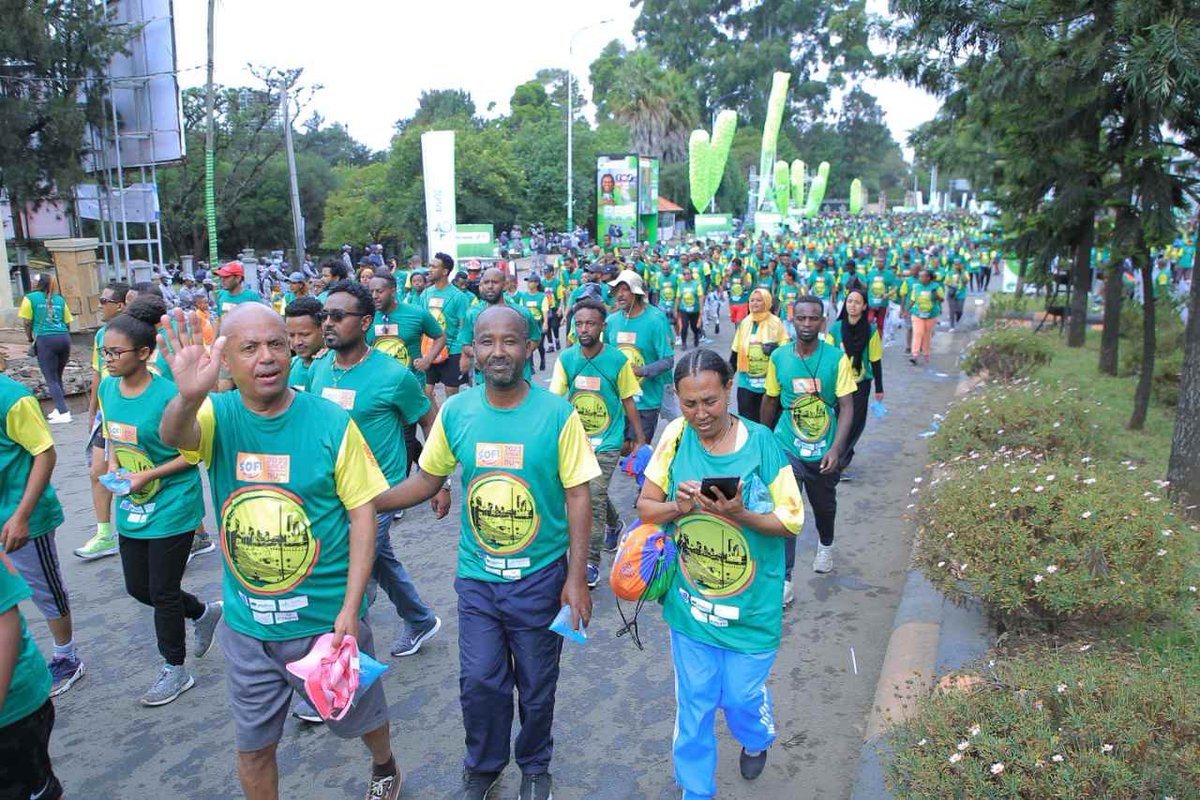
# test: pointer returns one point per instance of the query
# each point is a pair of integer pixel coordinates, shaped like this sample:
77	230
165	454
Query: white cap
630	279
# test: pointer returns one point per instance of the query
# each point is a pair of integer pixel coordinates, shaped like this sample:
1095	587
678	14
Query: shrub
1167	372
1054	540
1026	416
1005	305
1097	724
1168	337
1007	353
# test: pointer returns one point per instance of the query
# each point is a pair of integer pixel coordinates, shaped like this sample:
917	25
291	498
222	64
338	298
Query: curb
931	636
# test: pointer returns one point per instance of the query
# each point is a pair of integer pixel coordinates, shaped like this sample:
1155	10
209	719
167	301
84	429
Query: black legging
553	321
862	396
749	404
541	351
53	352
690	321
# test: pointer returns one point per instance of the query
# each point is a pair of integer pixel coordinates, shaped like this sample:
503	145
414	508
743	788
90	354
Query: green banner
714	226
617	198
476	241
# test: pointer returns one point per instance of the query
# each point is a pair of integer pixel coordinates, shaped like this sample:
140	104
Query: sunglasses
336	315
104	301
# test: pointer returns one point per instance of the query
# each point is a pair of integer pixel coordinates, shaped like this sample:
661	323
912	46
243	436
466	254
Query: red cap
232	268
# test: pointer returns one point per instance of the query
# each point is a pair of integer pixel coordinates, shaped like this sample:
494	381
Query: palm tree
658	106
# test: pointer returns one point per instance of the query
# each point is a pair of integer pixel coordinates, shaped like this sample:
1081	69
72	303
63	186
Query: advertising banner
476	241
437	163
648	199
714	226
617	198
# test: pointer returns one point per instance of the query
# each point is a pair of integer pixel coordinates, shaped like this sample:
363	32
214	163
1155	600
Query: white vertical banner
437	161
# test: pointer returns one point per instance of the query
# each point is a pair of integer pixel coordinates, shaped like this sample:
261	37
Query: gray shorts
38	564
260	688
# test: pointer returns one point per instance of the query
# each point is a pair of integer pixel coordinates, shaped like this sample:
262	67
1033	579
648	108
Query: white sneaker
789	594
55	418
824	561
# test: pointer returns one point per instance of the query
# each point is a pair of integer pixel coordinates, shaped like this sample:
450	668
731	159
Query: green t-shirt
466	337
728	580
596	388
23	435
282	486
532	302
604	294
820	284
808	390
48	315
382	396
871	353
879	287
227	301
165	507
644	339
922	301
448	307
668	290
397	333
298	373
787	294
31	681
690	294
516	466
739	294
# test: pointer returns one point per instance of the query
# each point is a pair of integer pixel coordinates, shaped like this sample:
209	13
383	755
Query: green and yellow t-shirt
922	300
25	434
448	307
227	301
643	339
98	365
165	507
49	315
298	374
596	388
397	333
517	465
750	338
29	688
808	390
820	283
873	352
691	295
880	284
382	396
728	582
668	290
282	487
536	303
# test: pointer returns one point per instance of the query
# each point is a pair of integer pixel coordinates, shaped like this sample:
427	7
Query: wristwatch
446	486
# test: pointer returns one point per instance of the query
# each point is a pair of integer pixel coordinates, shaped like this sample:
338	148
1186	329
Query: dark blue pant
53	352
504	640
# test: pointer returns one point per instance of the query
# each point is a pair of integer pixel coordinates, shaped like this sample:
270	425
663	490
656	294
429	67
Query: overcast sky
374	57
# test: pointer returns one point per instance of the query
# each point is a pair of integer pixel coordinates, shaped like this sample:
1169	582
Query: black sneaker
536	787
752	766
478	785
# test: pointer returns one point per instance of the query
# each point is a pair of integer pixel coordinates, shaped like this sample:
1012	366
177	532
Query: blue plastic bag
562	626
756	497
369	671
878	408
117	482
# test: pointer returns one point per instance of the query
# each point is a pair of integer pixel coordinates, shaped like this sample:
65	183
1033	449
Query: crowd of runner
303	405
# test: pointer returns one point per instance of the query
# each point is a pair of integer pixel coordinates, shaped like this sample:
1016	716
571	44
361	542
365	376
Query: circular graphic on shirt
135	460
713	555
810	418
269	543
502	513
757	361
636	360
393	347
593	412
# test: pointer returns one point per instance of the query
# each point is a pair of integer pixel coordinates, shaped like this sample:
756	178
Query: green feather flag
699	155
718	151
781	187
798	176
856	196
816	196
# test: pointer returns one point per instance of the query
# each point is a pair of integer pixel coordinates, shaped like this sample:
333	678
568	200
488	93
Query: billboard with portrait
617	198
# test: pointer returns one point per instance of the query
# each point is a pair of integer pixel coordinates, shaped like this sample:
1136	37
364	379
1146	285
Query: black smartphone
727	486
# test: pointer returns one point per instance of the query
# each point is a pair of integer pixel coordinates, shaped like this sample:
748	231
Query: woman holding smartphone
158	517
723	606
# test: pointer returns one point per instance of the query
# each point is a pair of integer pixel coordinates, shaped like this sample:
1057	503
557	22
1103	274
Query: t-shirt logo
592	410
268	537
264	468
120	432
343	397
393	348
878	287
501	512
714	555
503	456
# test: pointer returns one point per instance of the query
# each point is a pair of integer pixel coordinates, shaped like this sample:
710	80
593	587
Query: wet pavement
615	706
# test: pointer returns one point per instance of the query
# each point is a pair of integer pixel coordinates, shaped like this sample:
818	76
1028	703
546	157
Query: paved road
615	704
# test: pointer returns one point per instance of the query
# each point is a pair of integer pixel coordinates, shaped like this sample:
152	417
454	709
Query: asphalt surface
615	704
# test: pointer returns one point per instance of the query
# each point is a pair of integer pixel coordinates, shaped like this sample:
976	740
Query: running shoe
612	537
536	787
411	640
478	785
847	476
64	672
304	711
593	575
789	594
824	560
386	787
752	766
399	515
206	626
55	418
172	681
201	543
99	546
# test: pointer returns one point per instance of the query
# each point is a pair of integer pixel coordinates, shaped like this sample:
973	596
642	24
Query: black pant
862	397
153	574
25	770
822	497
749	404
552	322
53	352
411	446
541	351
690	321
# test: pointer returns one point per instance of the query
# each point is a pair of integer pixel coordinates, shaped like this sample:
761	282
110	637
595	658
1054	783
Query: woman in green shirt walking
45	316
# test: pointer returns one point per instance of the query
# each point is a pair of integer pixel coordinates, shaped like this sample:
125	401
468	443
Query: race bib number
587	383
343	397
387	329
806	385
627	337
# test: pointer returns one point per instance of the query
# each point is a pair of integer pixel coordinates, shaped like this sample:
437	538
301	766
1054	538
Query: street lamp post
570	127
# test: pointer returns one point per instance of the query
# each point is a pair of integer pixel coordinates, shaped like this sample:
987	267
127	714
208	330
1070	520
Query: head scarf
761	328
855	337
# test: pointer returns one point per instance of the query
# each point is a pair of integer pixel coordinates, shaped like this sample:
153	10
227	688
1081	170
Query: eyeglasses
104	301
336	315
113	353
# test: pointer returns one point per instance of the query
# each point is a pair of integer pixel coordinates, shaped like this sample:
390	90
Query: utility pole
297	217
210	158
